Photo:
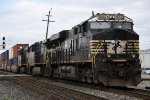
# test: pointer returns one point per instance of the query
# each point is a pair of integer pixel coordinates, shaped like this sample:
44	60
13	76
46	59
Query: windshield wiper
115	23
123	23
103	21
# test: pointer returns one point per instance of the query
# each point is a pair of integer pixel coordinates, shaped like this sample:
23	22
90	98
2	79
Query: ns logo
117	44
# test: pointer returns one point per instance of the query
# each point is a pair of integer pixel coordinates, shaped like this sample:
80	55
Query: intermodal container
6	55
17	48
3	56
11	62
10	53
15	61
3	62
3	65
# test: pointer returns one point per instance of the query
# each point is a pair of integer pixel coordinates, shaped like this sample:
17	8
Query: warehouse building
145	60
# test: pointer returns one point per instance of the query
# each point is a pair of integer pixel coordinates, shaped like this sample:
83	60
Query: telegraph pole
47	61
48	20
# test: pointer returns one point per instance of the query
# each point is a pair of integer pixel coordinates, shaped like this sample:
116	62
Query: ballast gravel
99	93
11	91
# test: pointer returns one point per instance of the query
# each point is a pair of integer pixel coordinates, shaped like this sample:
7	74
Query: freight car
103	49
11	59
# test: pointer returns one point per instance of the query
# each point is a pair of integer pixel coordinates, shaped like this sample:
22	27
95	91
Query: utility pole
47	60
48	20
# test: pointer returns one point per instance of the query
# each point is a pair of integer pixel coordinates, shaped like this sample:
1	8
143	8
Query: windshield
100	25
105	25
122	25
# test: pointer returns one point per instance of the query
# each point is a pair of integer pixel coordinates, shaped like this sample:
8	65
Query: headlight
133	55
108	55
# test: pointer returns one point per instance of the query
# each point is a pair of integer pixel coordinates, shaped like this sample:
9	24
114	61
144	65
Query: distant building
145	58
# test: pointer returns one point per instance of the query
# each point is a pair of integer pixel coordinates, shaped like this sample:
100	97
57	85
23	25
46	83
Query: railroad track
129	91
51	89
141	93
61	92
76	95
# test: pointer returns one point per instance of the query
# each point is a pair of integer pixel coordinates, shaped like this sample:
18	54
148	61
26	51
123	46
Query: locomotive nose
116	41
115	34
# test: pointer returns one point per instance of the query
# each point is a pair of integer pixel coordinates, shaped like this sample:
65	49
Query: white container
10	53
144	57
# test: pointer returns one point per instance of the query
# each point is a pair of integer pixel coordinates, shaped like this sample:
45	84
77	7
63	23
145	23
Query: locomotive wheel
29	71
22	70
18	70
90	80
95	81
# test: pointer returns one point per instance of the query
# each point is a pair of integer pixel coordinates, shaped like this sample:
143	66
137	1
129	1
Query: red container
17	48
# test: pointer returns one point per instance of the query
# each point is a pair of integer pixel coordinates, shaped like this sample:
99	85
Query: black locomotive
103	49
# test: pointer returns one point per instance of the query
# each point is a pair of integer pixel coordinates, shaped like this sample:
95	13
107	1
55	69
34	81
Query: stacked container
6	56
14	55
3	61
17	48
10	56
7	60
10	53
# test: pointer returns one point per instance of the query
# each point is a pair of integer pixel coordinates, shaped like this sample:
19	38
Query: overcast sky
21	20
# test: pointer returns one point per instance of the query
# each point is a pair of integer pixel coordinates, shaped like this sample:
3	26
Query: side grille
96	46
125	46
132	47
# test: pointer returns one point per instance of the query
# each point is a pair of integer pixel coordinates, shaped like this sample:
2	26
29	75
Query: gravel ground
99	93
144	84
11	91
145	76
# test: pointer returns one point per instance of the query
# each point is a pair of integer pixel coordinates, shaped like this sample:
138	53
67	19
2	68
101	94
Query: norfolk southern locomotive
103	49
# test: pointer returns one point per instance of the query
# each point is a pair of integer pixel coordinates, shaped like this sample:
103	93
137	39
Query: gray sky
21	20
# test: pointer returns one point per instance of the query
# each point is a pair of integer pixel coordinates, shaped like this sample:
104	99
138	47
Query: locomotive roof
108	17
